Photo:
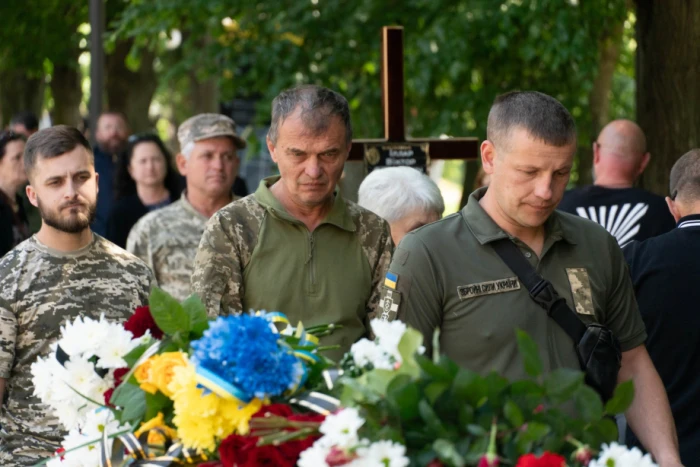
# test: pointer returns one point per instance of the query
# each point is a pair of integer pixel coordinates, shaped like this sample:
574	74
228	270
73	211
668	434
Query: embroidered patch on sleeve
487	288
390	280
581	290
389	304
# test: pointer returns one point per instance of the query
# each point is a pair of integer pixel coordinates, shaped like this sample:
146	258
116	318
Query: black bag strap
541	290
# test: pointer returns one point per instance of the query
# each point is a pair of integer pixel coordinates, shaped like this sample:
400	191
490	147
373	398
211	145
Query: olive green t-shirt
254	255
446	275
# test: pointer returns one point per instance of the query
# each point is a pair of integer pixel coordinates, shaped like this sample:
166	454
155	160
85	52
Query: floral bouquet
170	387
170	384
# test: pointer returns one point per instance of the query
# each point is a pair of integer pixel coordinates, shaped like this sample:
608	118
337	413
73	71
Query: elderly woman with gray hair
404	197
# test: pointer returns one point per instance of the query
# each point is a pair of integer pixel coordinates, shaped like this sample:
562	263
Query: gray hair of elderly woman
317	104
396	192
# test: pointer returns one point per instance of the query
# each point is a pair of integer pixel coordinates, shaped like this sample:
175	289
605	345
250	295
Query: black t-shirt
665	272
627	213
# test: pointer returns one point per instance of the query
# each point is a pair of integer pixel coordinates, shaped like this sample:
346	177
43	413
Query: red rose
242	451
211	464
546	460
281	410
142	321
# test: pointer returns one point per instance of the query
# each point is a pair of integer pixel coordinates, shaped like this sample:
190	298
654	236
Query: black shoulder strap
541	290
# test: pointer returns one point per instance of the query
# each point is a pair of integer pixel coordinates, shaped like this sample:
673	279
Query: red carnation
243	451
545	460
119	373
142	321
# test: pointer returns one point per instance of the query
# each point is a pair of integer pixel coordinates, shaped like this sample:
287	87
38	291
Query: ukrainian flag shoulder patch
391	280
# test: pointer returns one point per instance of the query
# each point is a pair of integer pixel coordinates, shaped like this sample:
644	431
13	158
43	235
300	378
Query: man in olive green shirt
447	275
296	246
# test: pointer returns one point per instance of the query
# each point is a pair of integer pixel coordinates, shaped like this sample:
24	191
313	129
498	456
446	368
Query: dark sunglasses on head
9	135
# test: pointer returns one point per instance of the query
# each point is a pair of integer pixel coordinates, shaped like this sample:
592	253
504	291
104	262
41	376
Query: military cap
204	126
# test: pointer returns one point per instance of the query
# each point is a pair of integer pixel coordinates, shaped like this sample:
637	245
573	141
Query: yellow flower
162	370
156	373
202	420
157	430
143	376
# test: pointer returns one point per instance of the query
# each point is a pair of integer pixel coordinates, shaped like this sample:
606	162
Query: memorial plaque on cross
395	149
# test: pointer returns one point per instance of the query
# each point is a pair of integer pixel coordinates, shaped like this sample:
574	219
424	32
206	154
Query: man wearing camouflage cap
167	239
296	245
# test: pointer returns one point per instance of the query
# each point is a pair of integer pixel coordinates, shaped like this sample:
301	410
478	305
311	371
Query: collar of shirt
486	230
691	221
338	215
64	254
190	209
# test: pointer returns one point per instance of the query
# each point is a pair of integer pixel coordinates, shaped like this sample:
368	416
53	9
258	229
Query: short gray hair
685	177
316	103
395	192
542	116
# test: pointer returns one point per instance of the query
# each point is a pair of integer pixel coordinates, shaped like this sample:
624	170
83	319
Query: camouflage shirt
167	241
255	255
40	290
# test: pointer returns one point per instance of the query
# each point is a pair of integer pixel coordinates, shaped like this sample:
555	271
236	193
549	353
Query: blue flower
244	351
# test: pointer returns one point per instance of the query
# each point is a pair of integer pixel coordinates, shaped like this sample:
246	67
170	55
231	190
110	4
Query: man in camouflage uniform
167	239
62	272
447	275
296	245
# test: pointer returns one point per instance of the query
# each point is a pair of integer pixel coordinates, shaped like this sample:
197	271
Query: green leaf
408	346
378	380
530	354
477	430
434	390
469	387
513	414
534	432
622	398
197	313
168	313
447	452
132	357
155	403
588	403
563	383
403	395
430	418
132	399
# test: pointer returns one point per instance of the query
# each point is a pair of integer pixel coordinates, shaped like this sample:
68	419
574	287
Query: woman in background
14	227
145	181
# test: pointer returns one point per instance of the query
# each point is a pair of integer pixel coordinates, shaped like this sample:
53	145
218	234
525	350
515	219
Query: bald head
620	154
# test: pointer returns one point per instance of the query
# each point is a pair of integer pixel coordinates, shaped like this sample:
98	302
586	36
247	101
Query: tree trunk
67	94
668	66
204	95
130	92
19	92
599	98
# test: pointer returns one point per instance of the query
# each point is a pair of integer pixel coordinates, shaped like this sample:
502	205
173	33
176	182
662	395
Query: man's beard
74	224
112	145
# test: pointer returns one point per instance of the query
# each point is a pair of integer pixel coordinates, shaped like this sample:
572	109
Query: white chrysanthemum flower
620	456
315	456
340	428
388	334
111	353
383	454
365	352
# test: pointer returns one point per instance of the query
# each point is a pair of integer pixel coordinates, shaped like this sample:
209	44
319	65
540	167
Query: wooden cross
393	107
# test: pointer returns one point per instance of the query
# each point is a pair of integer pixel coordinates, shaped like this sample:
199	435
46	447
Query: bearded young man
449	275
63	272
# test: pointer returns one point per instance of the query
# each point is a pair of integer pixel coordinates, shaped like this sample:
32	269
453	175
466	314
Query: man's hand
650	416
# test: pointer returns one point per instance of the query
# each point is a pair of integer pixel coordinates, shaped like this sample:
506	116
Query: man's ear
31	196
643	163
181	162
674	208
488	155
596	153
271	149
